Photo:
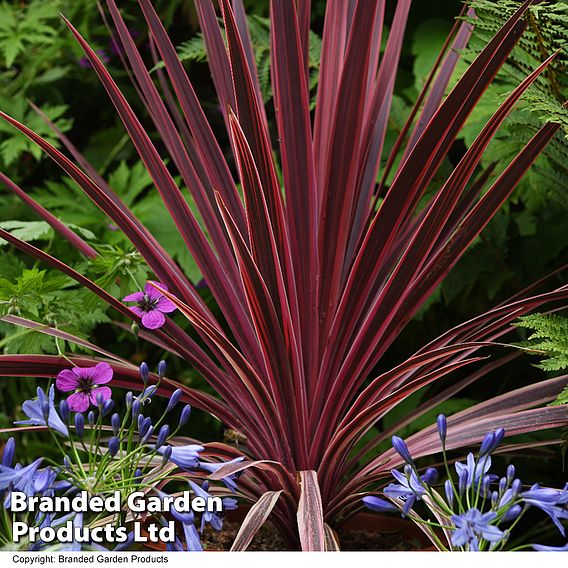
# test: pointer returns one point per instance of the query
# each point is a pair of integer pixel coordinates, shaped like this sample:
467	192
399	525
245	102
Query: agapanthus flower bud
135	408
144	373
115	423
401	449
140	422
64	410
162	368
128	400
146	425
67	462
516	487
79	424
502	485
166	455
100	400
494	498
138	474
510	473
146	436
462	482
430	476
442	427
91	417
486	486
513	513
487	444
149	392
113	446
184	416
162	435
499	435
174	399
378	504
449	490
9	452
108	405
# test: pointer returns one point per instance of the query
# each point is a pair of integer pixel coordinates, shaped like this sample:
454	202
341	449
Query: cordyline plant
316	271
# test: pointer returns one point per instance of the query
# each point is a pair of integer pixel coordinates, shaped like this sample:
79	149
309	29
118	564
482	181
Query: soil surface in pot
269	539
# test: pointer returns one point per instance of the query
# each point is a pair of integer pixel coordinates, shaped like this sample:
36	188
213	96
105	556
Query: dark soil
269	539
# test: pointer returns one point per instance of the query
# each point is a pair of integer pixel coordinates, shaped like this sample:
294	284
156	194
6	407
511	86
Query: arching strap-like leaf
310	513
255	518
60	334
331	541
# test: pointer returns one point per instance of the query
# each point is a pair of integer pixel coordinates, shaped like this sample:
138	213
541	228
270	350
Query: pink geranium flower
151	306
85	381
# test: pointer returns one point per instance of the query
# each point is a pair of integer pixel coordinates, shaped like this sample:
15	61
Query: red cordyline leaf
313	278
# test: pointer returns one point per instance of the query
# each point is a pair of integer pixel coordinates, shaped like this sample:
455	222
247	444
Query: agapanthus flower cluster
103	451
473	509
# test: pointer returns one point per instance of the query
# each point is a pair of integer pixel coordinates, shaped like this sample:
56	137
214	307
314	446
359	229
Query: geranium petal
105	392
102	373
152	293
165	305
138	311
135	297
67	381
153	319
78	402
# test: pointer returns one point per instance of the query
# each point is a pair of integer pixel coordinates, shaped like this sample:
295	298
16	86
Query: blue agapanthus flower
475	470
186	457
552	501
42	412
543	548
410	487
472	526
213	518
20	478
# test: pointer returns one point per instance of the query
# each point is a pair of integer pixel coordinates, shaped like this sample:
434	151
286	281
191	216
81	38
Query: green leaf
27	231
